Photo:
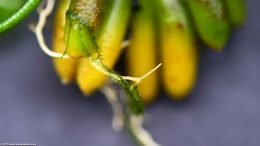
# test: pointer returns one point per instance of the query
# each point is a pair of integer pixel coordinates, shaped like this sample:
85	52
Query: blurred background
222	110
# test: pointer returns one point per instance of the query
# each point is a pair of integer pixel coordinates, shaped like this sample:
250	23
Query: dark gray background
223	110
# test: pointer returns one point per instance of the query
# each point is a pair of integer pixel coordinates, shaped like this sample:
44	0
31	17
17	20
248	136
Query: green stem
135	104
21	14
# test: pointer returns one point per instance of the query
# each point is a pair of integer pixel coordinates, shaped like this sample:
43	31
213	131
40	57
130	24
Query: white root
43	14
138	80
136	123
118	113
